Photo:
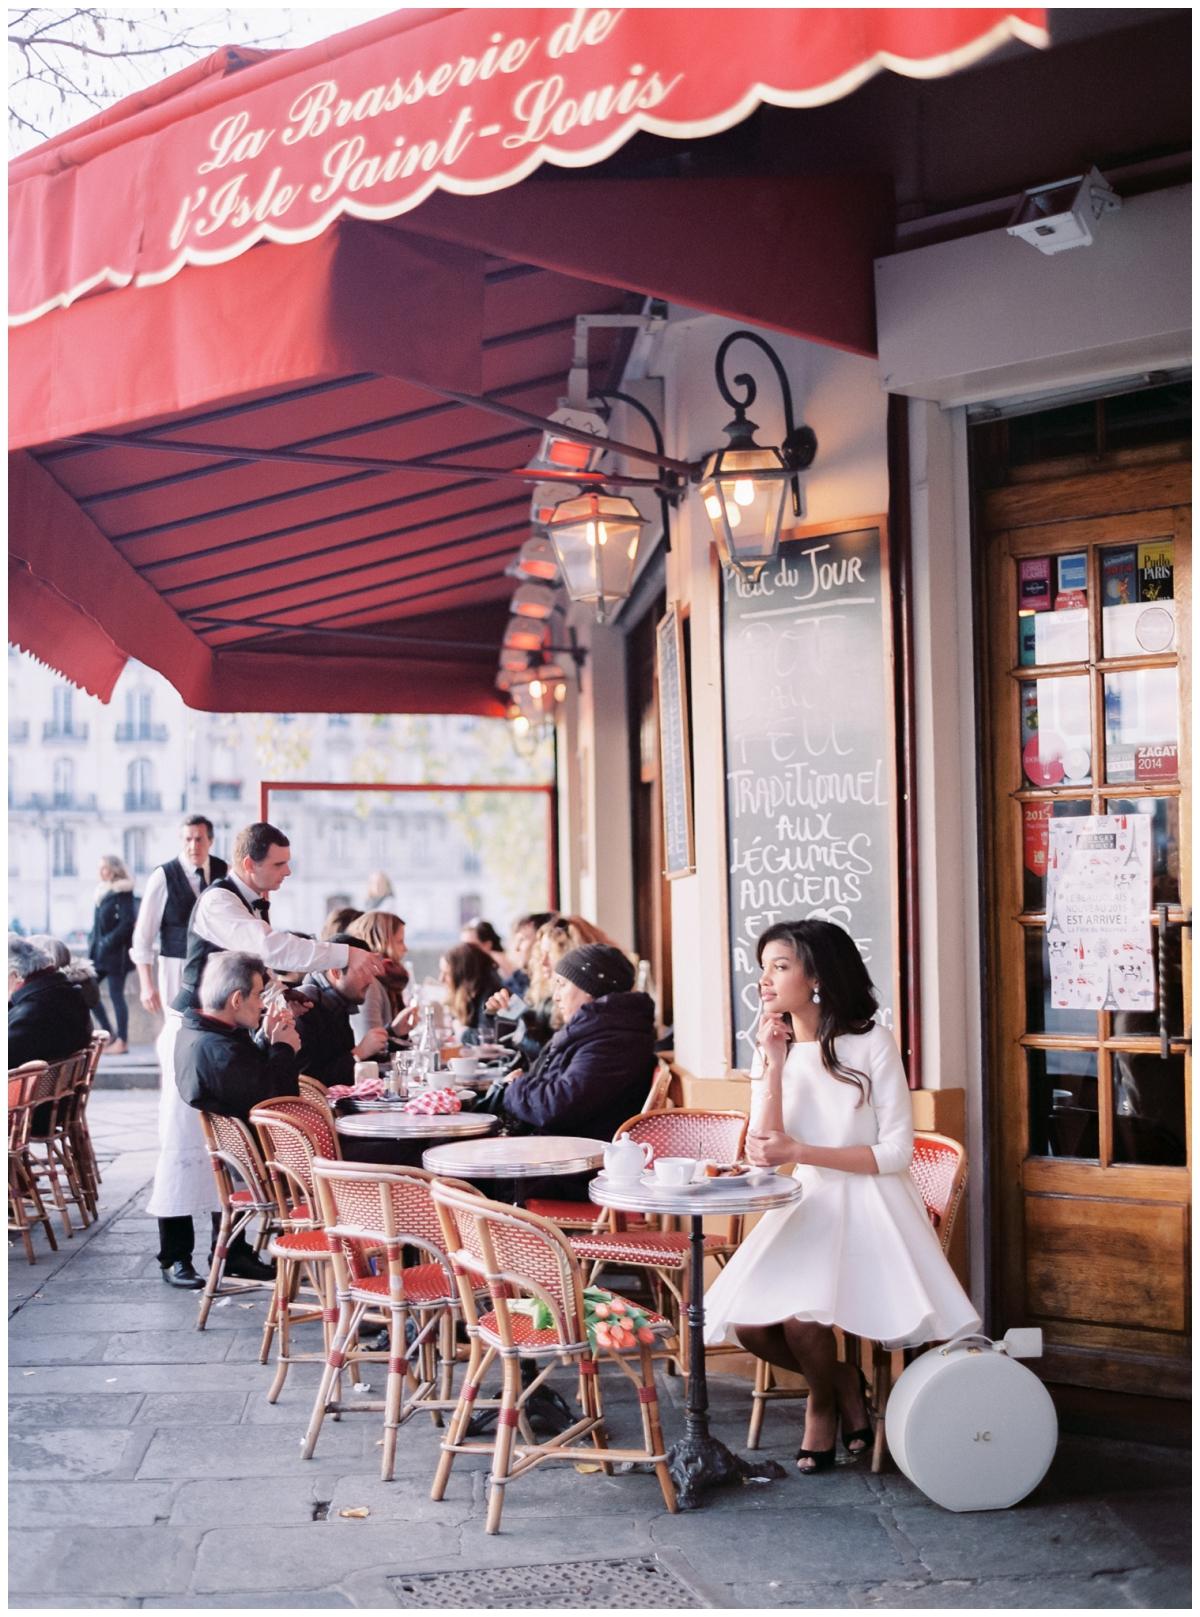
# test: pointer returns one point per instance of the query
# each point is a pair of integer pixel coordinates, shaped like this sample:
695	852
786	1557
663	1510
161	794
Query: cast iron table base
699	1460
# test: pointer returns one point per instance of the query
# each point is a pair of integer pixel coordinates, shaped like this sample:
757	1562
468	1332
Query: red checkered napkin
434	1103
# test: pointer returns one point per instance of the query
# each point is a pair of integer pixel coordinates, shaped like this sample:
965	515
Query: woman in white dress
858	1250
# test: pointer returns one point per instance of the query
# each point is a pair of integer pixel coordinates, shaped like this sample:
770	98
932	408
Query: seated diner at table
383	1005
596	1070
470	978
538	1019
858	1251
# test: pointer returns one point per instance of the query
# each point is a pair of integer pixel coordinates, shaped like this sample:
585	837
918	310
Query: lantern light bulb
733	516
713	506
535	689
591	534
743	491
520	724
602	533
560	691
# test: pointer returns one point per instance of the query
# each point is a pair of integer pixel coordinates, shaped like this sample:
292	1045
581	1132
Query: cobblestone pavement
147	1469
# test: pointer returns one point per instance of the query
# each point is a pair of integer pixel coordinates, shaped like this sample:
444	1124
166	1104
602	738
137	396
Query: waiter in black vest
166	908
233	912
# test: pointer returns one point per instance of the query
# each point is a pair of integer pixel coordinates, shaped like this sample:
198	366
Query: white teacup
464	1066
675	1170
364	1070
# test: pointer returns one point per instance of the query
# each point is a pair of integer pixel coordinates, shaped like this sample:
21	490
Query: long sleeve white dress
858	1250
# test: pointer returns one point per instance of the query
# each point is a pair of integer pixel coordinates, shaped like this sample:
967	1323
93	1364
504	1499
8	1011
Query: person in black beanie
596	1070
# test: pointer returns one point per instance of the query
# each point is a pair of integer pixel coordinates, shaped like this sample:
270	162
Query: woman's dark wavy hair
848	1000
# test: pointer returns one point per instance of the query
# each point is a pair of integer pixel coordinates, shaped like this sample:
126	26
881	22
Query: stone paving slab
100	1504
80	1560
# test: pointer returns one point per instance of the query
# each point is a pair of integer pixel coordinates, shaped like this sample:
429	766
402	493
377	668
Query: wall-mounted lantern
595	538
745	485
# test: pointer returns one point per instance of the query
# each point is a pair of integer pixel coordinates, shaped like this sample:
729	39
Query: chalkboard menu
678	856
809	756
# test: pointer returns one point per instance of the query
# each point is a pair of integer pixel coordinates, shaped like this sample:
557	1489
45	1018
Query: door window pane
1141	724
1063	1119
1137	592
1052	618
1035	844
1149	1111
1056	743
1041	1015
1171	988
1164	841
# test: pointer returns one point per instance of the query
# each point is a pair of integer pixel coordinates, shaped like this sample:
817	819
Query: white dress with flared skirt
858	1251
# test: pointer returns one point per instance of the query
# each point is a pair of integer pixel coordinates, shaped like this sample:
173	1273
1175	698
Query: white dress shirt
221	917
147	927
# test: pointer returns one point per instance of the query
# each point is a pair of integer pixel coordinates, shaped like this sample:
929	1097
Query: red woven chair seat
245	1198
545	1207
300	1244
664	1249
426	1285
527	1335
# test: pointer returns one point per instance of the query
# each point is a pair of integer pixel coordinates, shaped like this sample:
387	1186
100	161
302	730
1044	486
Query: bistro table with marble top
699	1460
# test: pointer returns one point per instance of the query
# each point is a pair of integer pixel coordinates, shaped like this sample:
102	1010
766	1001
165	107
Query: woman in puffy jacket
596	1070
108	945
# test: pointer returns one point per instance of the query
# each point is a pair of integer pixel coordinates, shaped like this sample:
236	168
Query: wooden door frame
1140	491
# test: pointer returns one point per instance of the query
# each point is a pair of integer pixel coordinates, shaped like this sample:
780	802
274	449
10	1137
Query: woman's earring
816	996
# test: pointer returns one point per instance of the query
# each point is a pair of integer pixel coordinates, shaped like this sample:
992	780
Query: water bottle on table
427	1049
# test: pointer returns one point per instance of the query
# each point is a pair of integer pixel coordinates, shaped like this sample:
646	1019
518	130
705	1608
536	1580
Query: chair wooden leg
347	1320
397	1370
763	1380
216	1268
652	1428
476	1367
882	1385
506	1424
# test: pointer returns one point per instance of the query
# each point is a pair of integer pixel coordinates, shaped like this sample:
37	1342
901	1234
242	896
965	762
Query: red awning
371	123
274	457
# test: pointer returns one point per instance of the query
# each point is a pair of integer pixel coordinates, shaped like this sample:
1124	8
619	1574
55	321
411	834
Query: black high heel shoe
822	1460
862	1436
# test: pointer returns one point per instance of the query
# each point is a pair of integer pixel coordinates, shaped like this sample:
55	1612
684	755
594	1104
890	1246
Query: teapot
626	1160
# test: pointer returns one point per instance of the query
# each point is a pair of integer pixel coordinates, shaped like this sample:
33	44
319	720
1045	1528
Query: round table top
516	1156
647	1195
397	1125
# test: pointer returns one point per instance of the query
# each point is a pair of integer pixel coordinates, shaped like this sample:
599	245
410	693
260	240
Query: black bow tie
262	908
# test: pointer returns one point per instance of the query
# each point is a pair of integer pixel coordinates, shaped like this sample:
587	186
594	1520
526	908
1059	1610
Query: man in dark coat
220	1067
327	1047
47	1017
596	1071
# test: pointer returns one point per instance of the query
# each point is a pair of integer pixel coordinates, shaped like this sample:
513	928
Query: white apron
183	1177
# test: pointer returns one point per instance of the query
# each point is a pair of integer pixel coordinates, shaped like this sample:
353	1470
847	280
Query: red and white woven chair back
939	1170
313	1117
367	1208
712	1136
232	1146
289	1152
512	1251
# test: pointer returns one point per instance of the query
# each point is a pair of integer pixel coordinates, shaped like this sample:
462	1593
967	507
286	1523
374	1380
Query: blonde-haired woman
108	945
384	1005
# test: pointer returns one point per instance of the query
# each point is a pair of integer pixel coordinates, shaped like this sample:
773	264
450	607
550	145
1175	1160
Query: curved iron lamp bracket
799	445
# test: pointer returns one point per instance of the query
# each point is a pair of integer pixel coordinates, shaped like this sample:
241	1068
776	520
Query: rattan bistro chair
234	1154
588	1216
26	1208
939	1171
685	1132
50	1151
515	1255
371	1215
293	1131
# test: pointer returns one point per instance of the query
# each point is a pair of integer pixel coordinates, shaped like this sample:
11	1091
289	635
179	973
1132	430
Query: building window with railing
140	793
135	850
338	843
64	726
64	782
63	851
138	724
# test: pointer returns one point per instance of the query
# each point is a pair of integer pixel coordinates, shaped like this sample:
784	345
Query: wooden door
1088	707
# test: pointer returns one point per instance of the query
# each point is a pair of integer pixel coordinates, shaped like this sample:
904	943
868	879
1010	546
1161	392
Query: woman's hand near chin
774	1037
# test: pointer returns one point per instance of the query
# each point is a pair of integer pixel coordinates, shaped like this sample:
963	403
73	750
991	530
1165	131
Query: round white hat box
973	1429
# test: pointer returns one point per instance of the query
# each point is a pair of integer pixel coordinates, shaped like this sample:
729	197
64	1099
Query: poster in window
679	858
1098	913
